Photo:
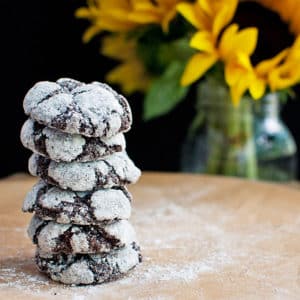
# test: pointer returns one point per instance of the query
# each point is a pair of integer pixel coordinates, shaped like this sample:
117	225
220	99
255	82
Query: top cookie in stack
81	204
92	110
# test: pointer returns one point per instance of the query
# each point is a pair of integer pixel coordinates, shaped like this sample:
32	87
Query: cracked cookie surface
82	269
114	170
63	147
52	237
102	206
93	110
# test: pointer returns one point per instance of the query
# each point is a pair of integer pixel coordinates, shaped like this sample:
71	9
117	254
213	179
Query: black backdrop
41	40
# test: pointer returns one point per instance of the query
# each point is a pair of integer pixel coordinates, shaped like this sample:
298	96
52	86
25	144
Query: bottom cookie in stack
81	269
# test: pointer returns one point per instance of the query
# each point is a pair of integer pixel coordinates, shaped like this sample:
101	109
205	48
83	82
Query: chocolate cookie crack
81	207
37	232
42	169
126	117
61	259
69	85
137	248
79	92
104	271
39	138
115	177
47	97
98	239
88	149
60	121
84	126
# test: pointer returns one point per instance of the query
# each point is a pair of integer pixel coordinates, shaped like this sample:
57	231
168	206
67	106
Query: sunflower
130	74
217	39
234	47
125	15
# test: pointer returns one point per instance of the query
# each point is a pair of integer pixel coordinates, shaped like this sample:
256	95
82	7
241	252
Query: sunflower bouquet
167	47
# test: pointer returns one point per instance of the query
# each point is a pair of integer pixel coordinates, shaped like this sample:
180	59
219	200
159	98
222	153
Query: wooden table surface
202	238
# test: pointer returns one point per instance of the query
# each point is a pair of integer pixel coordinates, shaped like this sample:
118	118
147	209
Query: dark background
41	40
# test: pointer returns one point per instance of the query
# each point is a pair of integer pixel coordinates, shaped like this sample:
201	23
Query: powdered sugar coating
53	238
60	146
114	170
93	110
64	206
89	269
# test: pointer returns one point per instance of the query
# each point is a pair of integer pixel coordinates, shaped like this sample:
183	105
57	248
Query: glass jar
275	146
224	144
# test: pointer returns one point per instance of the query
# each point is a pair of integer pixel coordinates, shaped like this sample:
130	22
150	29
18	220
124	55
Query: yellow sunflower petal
90	33
295	22
243	59
188	12
130	76
257	88
197	66
142	5
233	41
267	65
144	17
82	12
224	16
116	24
206	6
246	40
294	53
203	41
237	91
114	4
228	35
193	14
169	16
284	77
232	73
118	47
238	66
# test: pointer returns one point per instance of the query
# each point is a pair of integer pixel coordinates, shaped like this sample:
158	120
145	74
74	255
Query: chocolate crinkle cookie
93	110
98	207
64	147
83	269
52	237
114	170
81	204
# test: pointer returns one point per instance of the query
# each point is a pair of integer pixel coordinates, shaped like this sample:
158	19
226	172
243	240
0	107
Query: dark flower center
274	34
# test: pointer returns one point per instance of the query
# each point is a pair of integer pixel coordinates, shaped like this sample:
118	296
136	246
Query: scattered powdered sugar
182	245
18	276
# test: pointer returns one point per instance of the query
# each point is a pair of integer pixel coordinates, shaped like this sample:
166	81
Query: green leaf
176	50
157	54
286	94
165	92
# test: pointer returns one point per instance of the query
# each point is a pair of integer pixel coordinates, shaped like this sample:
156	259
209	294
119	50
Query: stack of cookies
81	203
